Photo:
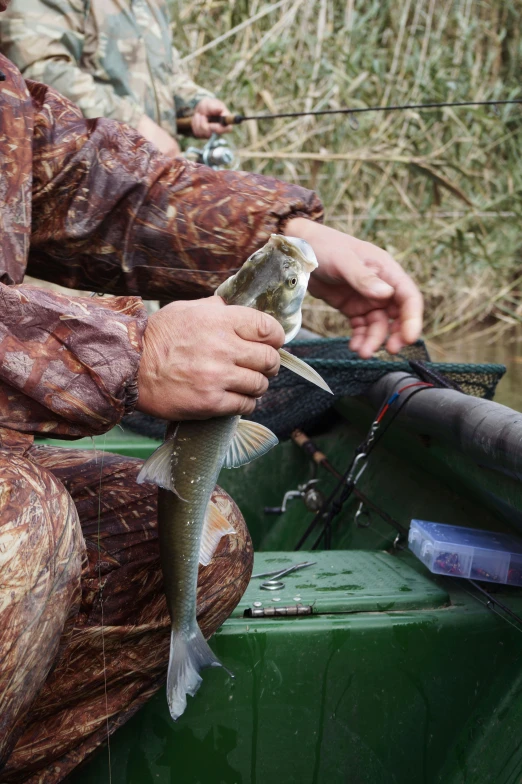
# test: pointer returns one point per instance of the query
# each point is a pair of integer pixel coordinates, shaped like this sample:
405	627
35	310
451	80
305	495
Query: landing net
292	402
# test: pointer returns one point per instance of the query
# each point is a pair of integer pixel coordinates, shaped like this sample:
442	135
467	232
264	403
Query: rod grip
184	124
302	440
224	119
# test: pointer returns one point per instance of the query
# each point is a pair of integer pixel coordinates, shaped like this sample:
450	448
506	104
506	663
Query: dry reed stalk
401	180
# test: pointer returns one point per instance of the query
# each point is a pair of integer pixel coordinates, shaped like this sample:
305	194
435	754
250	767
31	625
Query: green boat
363	667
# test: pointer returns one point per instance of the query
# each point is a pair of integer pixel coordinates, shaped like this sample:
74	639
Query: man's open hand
364	283
204	358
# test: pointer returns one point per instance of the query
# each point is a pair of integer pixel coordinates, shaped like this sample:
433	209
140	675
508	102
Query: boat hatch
340	581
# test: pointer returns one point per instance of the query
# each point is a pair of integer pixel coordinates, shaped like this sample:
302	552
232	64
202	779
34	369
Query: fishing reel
311	495
217	153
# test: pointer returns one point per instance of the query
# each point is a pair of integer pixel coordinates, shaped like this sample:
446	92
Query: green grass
441	190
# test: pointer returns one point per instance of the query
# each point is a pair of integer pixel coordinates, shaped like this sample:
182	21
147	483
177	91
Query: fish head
274	280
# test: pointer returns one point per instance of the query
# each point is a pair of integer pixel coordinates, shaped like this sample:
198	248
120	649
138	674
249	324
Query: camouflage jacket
113	58
91	205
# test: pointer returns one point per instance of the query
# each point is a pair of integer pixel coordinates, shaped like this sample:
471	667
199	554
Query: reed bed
441	190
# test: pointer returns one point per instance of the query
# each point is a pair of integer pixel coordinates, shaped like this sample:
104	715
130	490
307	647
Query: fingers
253	325
257	356
209	107
395	341
247	383
237	394
204	358
410	303
369	333
200	126
234	404
368	283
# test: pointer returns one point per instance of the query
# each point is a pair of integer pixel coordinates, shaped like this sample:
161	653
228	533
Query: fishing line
490	605
100	587
492	600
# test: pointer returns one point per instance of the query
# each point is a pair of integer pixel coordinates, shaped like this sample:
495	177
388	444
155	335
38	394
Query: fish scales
186	467
197	457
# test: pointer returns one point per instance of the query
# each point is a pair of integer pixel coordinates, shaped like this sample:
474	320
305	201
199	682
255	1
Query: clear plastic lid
467	552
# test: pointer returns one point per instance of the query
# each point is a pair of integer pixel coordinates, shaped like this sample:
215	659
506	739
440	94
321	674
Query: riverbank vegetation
441	190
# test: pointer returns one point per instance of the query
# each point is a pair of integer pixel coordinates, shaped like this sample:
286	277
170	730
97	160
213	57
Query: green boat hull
395	676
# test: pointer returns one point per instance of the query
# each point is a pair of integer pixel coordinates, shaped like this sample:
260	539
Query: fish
186	466
274	279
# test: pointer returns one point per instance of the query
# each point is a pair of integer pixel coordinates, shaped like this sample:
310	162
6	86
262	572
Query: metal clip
362	516
272	585
351	479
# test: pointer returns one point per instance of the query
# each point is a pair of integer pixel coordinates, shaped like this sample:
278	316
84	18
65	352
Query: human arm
160	228
69	365
364	283
73	366
167	228
45	40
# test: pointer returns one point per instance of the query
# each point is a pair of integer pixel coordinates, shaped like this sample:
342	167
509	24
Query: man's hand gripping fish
187	465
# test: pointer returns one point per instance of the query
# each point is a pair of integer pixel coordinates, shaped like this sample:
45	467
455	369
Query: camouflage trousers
84	628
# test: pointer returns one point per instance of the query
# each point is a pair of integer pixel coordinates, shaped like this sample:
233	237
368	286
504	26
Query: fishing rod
184	123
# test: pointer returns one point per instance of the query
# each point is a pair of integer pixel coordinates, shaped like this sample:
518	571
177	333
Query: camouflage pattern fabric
113	58
90	204
80	514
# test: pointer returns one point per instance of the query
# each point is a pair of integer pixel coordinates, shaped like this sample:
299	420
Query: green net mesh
292	402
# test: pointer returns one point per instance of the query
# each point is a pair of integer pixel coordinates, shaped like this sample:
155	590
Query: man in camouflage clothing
112	58
84	627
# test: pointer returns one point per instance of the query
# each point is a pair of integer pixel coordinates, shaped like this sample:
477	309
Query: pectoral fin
214	527
303	369
250	441
158	468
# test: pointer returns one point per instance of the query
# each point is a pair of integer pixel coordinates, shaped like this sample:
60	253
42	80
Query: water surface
484	347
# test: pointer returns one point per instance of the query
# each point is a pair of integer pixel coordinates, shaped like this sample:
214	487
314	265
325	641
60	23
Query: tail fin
188	655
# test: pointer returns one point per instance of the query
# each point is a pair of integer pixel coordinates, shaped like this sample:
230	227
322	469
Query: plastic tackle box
467	552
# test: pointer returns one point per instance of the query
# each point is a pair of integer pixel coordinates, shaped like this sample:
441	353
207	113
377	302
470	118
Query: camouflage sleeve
186	92
110	213
44	39
68	364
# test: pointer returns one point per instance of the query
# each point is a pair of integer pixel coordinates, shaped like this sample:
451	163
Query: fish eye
292	281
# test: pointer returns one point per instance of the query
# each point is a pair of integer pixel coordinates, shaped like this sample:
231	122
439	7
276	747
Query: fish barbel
186	466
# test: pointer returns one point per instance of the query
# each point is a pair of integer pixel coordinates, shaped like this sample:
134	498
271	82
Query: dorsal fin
251	440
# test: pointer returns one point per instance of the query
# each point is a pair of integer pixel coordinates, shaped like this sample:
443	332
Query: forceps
274	584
